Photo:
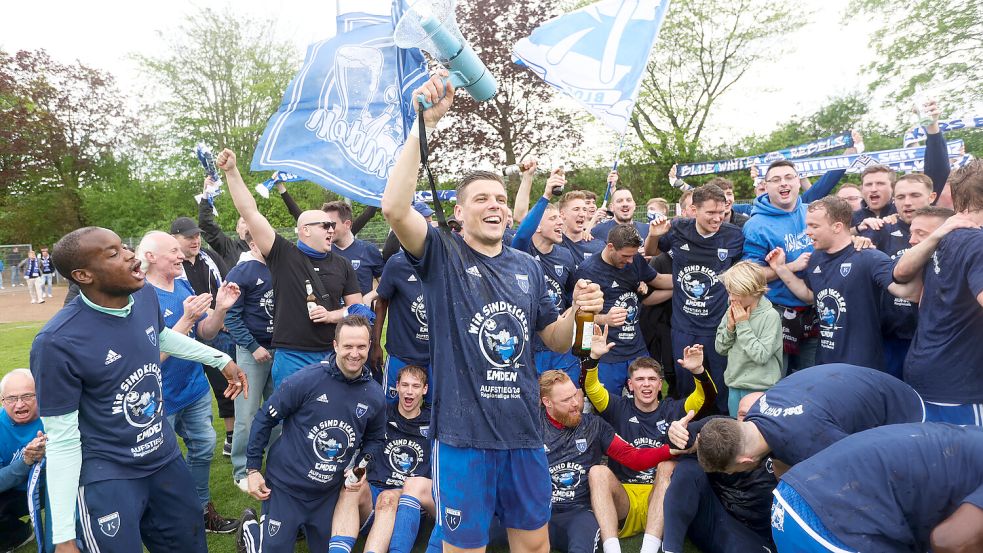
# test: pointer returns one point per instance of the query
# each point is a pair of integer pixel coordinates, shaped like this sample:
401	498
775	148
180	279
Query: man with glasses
302	331
22	444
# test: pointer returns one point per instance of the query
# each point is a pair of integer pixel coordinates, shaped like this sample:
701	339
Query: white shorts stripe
90	539
435	471
812	533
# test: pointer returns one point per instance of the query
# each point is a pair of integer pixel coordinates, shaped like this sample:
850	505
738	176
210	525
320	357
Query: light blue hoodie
770	227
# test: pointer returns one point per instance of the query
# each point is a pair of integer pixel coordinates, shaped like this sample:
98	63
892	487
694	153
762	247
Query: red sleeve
636	458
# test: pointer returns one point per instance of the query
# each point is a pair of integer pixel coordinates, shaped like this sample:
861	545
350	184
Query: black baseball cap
185	226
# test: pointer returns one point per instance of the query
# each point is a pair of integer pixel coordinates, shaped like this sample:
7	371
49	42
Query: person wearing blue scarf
302	331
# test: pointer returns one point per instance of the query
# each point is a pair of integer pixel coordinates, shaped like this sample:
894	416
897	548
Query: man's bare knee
417	486
387	501
601	476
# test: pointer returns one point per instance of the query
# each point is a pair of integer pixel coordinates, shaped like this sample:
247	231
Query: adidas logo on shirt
634	420
167	313
323	398
896	233
614	284
112	357
684	247
411	279
817	270
259	281
473	271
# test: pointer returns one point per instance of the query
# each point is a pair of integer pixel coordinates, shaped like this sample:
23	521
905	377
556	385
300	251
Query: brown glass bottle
583	333
311	298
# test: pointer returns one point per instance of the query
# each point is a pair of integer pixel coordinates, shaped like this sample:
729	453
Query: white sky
825	57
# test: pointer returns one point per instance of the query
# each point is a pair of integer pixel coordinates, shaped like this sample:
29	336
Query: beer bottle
356	474
311	298
516	169
584	333
557	190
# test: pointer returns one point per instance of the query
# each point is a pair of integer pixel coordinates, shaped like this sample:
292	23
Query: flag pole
614	167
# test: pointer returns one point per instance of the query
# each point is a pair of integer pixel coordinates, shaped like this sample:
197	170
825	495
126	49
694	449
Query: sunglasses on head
326	225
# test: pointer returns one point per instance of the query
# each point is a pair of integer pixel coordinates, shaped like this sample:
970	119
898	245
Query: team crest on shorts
361	409
721	253
273	527
152	335
109	524
453	518
523	281
581	445
778	517
845	268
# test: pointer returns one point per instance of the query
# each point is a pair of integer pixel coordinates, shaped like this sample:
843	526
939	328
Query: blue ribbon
818	146
263	188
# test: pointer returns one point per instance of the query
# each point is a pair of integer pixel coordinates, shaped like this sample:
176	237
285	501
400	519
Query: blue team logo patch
361	409
152	335
425	431
721	253
845	268
272	527
452	518
523	281
558	269
581	445
109	524
356	263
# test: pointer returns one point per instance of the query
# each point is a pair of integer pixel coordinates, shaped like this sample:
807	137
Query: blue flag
596	54
346	114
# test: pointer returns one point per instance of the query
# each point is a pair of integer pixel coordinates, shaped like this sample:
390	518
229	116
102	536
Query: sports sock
341	544
406	526
650	544
228	436
611	545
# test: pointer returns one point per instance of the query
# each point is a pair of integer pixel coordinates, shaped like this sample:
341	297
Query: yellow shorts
638	509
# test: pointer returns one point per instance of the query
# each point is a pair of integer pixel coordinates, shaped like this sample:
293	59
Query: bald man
22	444
303	331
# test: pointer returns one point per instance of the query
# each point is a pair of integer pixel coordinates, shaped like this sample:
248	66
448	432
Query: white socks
650	544
611	545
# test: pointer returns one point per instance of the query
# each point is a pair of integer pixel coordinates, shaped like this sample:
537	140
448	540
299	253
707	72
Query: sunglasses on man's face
326	225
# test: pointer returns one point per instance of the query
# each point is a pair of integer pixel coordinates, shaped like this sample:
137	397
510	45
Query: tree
704	48
934	42
59	124
521	119
222	77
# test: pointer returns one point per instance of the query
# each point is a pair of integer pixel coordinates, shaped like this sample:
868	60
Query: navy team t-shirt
641	430
847	287
620	288
583	249
700	299
571	452
184	381
407	336
482	312
887	488
558	269
365	258
899	317
406	451
945	362
107	368
257	301
811	409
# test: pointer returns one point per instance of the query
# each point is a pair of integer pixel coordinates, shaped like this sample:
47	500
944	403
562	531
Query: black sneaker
227	448
248	516
17	538
216	523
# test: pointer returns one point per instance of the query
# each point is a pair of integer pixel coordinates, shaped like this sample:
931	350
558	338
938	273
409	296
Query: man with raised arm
302	331
484	301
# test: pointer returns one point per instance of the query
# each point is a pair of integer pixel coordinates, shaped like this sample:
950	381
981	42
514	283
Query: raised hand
196	306
439	93
692	359
775	258
227	296
599	346
226	160
800	263
587	296
678	432
659	226
739	312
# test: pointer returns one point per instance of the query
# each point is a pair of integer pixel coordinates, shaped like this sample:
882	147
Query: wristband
589	363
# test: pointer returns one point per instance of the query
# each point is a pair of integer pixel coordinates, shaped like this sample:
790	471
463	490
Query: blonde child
750	334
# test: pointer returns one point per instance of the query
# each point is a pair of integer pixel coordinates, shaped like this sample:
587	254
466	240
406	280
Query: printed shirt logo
356	263
167	313
323	398
412	278
452	517
404	456
817	270
523	281
722	253
473	271
259	282
830	305
112	357
502	332
684	247
331	439
634	420
845	268
566	478
778	517
614	284
425	431
558	269
361	409
109	524
151	335
897	233
581	445
139	399
273	526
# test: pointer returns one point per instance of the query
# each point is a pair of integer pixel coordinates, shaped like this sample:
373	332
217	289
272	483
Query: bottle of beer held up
311	298
356	473
583	333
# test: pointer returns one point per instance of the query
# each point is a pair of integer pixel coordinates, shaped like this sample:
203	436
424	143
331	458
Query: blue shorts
797	529
288	361
966	414
473	485
613	376
160	510
391	376
567	362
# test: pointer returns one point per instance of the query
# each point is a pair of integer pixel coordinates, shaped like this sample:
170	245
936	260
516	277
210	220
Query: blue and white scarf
818	146
917	134
904	160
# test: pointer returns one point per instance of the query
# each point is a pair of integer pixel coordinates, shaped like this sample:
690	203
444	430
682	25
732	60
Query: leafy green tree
933	42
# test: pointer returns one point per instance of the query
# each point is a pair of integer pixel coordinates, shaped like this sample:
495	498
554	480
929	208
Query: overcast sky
825	56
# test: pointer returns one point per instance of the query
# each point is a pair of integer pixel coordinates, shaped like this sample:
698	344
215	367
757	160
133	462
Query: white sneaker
242	484
33	301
